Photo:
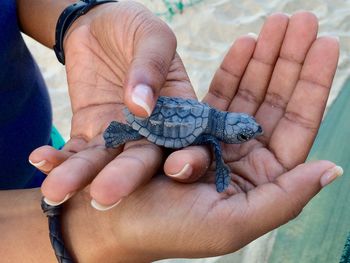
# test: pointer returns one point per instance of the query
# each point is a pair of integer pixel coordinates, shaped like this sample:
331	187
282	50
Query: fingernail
184	173
253	35
330	175
43	165
53	203
100	207
336	38
142	95
38	164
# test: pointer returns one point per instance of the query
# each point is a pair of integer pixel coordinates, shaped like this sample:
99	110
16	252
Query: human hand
117	55
284	81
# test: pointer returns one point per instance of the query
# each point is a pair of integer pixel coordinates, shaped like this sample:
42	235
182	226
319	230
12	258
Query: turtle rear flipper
222	173
118	133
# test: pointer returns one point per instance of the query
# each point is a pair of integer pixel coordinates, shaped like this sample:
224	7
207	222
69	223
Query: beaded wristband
55	232
66	19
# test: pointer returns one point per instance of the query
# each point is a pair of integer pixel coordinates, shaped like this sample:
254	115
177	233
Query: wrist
23	228
68	17
95	236
91	235
38	18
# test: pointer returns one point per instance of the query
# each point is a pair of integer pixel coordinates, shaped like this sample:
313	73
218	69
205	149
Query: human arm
20	221
87	233
38	18
270	183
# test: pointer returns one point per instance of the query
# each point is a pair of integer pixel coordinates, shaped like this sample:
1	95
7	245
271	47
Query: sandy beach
205	31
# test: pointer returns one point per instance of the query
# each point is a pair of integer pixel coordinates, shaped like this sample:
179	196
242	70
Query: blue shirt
25	110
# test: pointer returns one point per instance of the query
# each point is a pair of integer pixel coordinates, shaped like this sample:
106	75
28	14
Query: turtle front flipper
118	133
222	174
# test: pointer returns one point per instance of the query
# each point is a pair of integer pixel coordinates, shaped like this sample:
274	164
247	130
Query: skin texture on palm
103	68
283	79
270	186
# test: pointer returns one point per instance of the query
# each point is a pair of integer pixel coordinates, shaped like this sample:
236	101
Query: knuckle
249	96
221	95
157	64
296	206
292	204
275	100
300	120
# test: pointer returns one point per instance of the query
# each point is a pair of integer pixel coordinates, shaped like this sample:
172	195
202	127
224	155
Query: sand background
204	32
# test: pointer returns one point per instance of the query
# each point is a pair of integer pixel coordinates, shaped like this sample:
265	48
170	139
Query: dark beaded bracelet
55	232
66	19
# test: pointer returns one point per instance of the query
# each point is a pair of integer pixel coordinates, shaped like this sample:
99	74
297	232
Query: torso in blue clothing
25	111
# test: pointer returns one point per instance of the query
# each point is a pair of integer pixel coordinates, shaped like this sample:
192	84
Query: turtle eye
242	137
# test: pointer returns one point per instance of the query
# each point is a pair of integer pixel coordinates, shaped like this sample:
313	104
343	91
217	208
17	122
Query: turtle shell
174	123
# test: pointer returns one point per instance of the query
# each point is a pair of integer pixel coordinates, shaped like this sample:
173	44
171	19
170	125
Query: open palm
283	79
284	82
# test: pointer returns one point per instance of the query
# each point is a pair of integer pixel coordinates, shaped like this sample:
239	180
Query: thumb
275	203
155	49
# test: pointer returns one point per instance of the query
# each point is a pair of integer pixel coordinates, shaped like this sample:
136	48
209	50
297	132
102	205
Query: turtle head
240	127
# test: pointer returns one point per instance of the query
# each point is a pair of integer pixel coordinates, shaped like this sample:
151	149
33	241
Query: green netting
318	234
346	253
173	7
57	139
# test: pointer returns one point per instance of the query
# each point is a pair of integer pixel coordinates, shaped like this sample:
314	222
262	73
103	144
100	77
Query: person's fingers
272	204
154	50
301	33
228	76
76	172
134	166
178	83
256	78
46	158
189	164
293	136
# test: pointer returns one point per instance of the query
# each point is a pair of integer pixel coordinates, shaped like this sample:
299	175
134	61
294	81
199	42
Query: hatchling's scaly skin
177	123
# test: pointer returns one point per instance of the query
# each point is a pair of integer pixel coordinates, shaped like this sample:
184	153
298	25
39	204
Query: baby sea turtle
177	123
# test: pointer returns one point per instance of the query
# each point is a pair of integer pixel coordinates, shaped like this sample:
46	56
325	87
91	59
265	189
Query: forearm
38	18
88	233
23	228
